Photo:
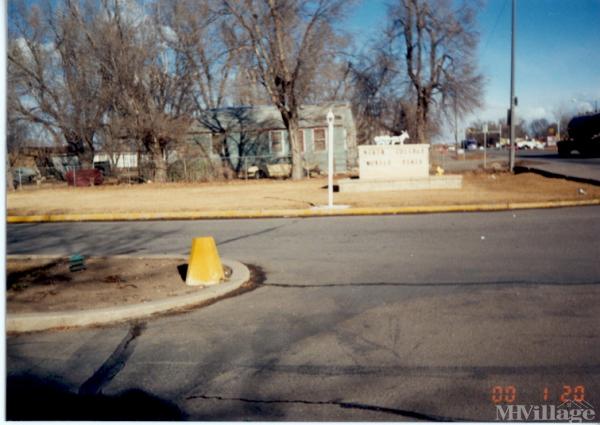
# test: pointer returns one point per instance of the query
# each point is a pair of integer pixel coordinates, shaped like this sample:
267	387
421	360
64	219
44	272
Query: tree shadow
336	187
35	275
31	398
84	238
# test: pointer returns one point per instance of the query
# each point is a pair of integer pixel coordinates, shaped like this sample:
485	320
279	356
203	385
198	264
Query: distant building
246	136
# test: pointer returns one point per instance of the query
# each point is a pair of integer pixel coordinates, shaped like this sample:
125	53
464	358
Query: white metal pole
484	148
330	118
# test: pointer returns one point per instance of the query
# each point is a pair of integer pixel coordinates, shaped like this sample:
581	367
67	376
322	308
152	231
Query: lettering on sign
389	162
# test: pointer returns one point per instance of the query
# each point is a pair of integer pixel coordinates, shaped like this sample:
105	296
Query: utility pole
513	100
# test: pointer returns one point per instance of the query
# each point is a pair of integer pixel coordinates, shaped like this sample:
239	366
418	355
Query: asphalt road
576	166
378	318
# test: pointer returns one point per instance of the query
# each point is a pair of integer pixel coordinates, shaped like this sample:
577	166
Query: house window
300	138
320	139
276	142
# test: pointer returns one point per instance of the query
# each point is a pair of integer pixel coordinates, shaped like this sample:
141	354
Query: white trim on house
123	160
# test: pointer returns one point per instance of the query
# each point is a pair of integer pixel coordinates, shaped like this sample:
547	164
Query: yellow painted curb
195	215
204	265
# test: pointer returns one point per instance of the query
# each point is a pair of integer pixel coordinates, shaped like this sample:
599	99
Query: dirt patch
36	286
478	187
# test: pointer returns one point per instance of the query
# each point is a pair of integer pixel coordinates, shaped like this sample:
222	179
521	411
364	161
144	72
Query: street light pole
512	89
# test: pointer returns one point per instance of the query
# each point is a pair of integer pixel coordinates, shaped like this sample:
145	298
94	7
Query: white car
529	144
277	167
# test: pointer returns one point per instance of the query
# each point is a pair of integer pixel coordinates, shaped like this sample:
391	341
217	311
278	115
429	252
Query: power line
489	37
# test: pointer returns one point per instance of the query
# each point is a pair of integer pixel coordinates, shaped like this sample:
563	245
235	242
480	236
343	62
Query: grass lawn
478	187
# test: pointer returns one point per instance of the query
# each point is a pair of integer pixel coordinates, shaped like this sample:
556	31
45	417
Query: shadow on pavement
31	398
182	270
519	169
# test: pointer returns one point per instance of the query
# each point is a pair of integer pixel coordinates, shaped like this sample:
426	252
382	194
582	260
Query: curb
290	213
29	322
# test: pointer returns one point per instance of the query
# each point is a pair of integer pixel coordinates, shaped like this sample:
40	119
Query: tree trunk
227	168
160	165
422	103
79	148
296	148
10	183
86	158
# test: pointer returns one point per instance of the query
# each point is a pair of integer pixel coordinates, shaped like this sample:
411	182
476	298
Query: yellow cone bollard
204	265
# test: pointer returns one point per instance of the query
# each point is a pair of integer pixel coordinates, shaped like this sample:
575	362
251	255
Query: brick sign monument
385	167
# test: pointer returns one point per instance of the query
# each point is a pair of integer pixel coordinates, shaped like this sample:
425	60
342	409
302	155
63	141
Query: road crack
114	364
338	403
249	235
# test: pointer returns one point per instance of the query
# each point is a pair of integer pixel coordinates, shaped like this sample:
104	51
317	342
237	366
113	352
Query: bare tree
539	127
94	71
437	43
284	43
57	81
16	136
378	102
562	115
202	36
152	102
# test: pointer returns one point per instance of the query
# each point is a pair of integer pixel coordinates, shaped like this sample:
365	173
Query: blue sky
557	53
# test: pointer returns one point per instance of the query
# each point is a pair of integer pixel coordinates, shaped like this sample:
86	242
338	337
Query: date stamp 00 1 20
568	404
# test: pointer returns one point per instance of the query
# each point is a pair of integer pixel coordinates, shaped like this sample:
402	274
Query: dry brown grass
38	285
275	194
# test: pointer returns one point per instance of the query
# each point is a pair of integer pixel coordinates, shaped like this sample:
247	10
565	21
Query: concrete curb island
29	322
291	213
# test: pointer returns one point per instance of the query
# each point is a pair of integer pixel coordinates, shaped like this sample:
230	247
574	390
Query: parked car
23	175
273	168
279	168
469	145
103	167
529	144
84	177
